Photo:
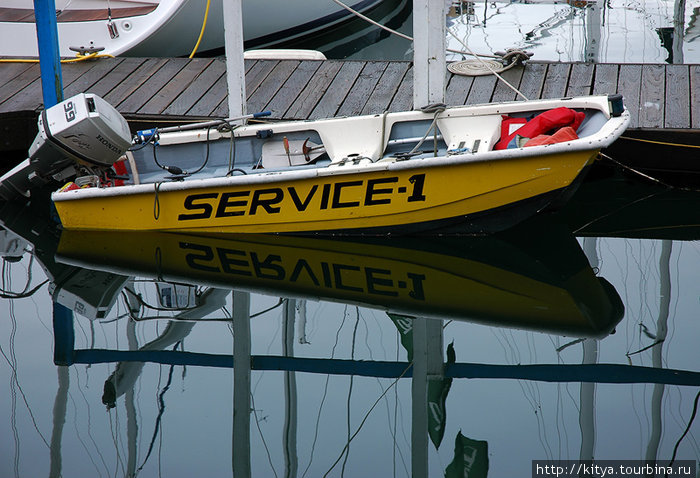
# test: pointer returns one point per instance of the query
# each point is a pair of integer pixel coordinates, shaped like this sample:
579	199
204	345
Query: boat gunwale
189	134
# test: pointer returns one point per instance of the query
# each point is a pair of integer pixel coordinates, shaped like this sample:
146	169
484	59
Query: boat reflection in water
535	277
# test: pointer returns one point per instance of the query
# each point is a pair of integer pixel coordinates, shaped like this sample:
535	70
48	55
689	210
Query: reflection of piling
291	460
63	334
59	419
586	417
427	364
661	330
240	444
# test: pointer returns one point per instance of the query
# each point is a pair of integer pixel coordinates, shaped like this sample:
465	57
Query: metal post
429	45
49	56
235	66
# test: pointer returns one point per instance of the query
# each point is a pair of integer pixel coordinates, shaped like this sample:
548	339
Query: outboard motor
82	131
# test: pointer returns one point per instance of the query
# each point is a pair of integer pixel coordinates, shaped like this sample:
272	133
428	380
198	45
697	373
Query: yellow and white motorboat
436	170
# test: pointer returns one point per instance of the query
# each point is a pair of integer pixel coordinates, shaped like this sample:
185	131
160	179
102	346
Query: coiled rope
511	57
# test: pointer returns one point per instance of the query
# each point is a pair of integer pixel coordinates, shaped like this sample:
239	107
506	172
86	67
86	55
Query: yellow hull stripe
331	202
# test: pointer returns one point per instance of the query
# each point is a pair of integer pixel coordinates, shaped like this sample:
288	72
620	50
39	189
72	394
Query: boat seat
348	137
475	133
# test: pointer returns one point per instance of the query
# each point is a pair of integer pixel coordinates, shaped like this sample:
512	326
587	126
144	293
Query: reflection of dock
593	373
662	97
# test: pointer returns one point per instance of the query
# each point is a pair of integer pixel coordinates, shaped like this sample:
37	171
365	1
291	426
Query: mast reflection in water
373	357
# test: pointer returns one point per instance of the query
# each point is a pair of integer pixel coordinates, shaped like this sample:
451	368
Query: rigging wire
376	402
5	294
687	429
161	411
323	400
350	389
262	437
81	389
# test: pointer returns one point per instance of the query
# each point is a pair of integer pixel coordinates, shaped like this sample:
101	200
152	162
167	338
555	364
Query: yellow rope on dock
90	56
663	143
201	33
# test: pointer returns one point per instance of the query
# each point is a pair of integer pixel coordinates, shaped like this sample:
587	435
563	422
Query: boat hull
421	195
166	28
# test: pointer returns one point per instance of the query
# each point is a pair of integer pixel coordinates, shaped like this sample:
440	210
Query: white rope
467	52
489	67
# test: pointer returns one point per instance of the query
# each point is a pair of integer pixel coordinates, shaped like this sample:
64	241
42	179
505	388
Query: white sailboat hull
165	27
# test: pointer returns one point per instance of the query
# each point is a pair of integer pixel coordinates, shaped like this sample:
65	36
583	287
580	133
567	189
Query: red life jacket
544	123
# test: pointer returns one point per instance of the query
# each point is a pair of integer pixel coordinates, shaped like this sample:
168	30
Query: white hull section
172	28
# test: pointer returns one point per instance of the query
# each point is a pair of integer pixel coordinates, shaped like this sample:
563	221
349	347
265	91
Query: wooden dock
664	99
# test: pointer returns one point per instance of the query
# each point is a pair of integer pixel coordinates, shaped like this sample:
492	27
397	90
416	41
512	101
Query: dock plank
677	113
533	80
145	91
89	73
386	88
338	89
264	93
114	77
291	88
361	90
651	100
556	81
503	92
18	83
660	97
403	99
257	73
31	97
10	70
309	97
457	89
482	90
134	80
580	79
214	102
605	80
196	89
173	88
629	85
